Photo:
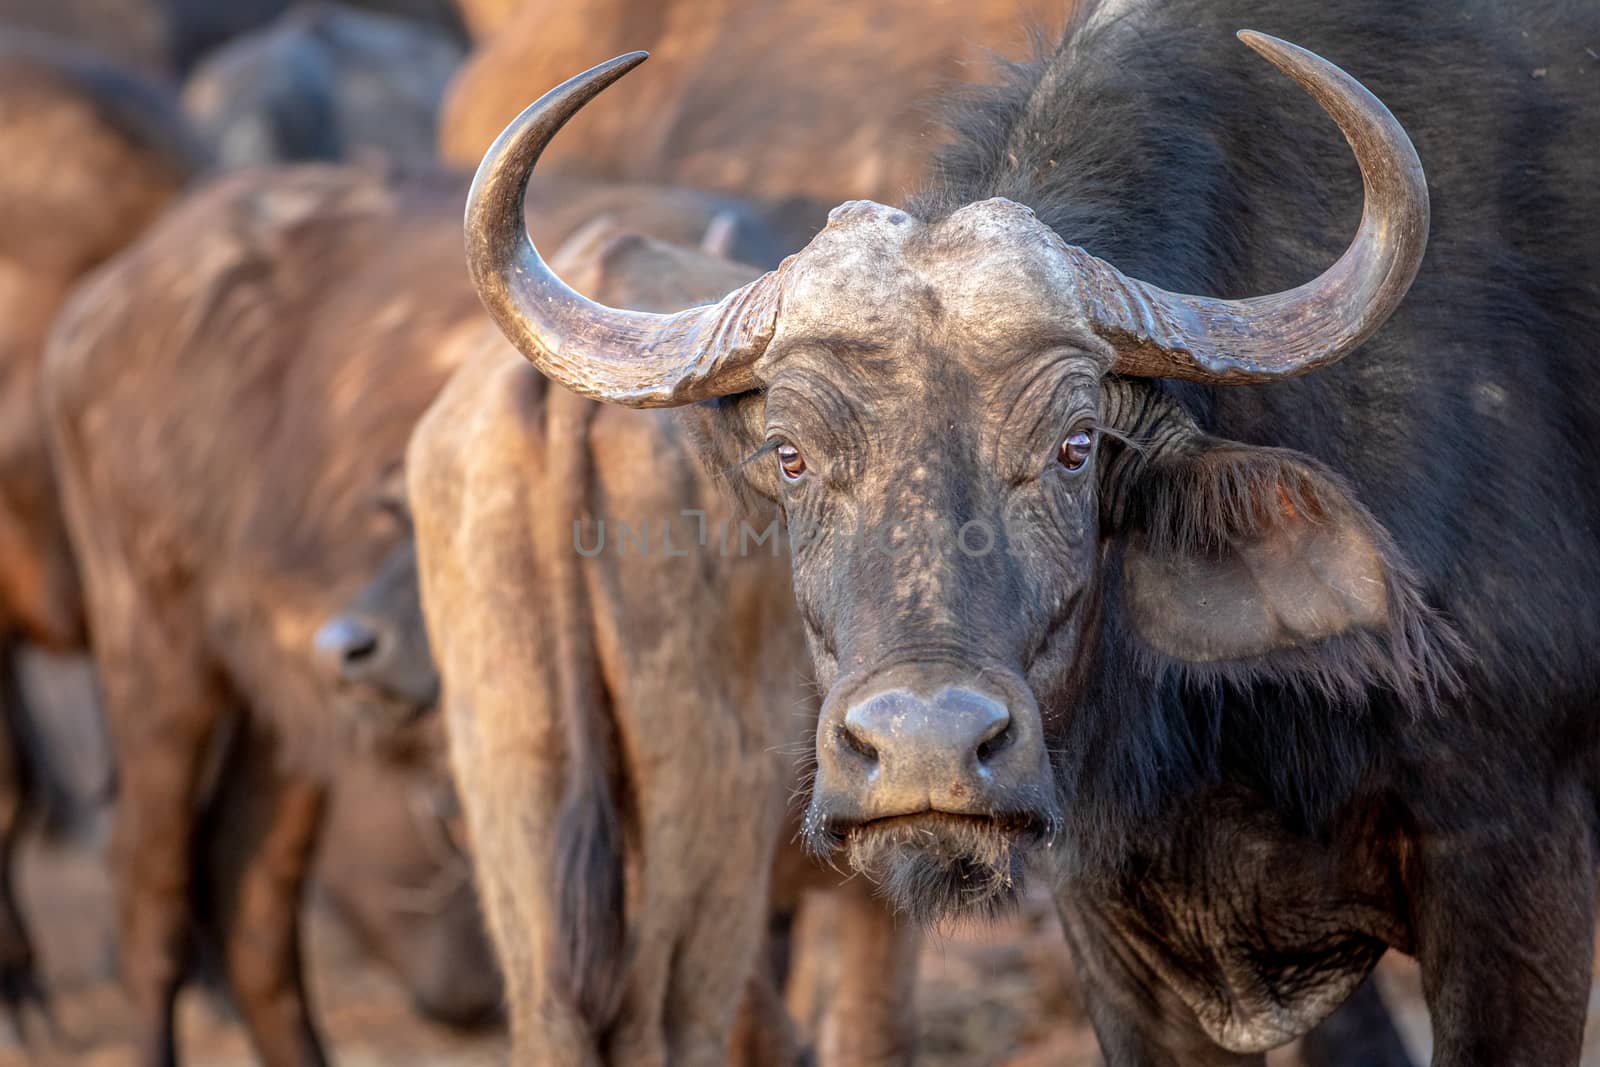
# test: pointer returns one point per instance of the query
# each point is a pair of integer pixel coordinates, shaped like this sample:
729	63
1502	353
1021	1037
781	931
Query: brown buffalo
618	711
220	505
820	100
227	399
484	17
66	121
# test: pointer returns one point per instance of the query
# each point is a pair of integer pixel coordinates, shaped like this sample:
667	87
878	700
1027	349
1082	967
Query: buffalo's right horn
1158	334
623	357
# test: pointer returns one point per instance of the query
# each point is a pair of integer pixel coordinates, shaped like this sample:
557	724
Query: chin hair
938	868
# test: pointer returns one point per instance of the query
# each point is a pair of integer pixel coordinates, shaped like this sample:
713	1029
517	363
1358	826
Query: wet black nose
950	736
348	647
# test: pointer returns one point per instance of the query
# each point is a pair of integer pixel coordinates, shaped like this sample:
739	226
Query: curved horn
622	357
1158	334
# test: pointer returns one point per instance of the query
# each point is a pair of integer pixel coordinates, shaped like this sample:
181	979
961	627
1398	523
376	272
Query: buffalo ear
1234	552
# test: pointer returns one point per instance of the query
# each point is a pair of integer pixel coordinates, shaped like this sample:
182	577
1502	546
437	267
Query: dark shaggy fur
1245	835
1160	144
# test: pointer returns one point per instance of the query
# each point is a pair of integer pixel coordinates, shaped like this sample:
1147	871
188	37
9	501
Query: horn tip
615	68
1264	43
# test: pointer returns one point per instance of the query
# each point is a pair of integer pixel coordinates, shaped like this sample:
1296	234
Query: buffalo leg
162	726
18	981
763	1034
1506	940
502	743
1360	1033
867	1021
712	969
263	832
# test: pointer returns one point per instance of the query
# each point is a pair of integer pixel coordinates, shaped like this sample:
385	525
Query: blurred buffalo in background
67	121
218	507
323	82
484	17
820	101
168	37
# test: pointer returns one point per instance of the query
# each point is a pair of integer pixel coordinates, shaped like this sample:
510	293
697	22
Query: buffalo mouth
378	713
936	866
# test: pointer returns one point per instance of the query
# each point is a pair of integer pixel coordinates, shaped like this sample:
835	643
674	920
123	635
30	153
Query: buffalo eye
1076	449
791	462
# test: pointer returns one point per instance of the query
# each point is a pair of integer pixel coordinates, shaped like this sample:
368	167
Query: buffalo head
374	655
952	417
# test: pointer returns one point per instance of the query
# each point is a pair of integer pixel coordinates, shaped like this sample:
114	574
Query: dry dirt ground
997	998
1000	997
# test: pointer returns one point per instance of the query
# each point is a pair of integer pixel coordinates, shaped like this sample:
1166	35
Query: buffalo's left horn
623	357
1157	334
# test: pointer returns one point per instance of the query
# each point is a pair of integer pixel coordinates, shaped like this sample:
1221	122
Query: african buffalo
374	654
222	508
622	774
1273	674
67	119
488	564
323	82
217	508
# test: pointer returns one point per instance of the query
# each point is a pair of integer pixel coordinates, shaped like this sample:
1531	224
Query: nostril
364	648
858	744
347	646
980	724
996	743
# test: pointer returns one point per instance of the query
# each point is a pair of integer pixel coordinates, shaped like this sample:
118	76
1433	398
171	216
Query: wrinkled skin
1276	677
494	454
959	398
66	120
323	82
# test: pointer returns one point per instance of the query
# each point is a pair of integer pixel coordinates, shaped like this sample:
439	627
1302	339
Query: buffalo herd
902	458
